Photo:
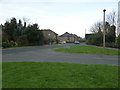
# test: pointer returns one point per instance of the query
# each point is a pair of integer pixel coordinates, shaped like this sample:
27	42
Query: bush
7	44
82	40
112	45
69	41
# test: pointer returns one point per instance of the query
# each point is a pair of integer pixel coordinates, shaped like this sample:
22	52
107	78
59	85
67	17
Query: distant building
49	35
118	30
69	37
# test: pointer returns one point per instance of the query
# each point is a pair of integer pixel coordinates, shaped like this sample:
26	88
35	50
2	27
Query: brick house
69	37
49	35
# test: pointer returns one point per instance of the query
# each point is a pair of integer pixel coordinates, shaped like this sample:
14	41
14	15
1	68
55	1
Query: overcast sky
61	16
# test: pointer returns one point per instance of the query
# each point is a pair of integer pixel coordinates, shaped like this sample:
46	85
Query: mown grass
58	75
89	50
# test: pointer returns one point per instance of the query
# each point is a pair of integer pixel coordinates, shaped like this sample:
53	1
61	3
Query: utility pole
85	32
104	27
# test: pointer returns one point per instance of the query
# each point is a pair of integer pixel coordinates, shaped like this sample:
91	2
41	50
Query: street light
104	27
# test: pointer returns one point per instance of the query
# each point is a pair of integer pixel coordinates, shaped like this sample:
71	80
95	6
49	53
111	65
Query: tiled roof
66	34
48	30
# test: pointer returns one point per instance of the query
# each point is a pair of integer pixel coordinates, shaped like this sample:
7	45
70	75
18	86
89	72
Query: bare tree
112	18
97	27
26	21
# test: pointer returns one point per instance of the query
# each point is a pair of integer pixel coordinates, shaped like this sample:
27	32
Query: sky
73	16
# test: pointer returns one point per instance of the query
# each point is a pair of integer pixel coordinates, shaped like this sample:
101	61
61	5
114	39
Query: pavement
46	54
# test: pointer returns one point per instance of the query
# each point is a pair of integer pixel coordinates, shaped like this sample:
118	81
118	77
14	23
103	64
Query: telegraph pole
85	32
104	27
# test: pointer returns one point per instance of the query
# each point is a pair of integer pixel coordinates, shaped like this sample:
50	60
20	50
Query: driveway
46	54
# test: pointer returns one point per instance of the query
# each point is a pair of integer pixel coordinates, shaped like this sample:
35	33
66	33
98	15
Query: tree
18	31
118	41
14	32
96	27
110	29
111	35
7	31
111	18
96	38
107	27
34	35
26	20
9	28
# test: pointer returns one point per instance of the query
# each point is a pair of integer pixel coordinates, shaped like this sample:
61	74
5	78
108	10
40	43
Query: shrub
82	40
7	44
112	45
69	41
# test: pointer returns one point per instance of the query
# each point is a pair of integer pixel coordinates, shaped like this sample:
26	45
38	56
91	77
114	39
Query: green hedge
7	44
69	41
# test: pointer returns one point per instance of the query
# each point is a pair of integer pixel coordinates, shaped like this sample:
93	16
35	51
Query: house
49	35
69	37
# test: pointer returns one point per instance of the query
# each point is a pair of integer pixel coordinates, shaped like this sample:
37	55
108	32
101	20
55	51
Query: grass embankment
58	75
89	50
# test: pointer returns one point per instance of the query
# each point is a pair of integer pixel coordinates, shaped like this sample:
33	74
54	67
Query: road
46	54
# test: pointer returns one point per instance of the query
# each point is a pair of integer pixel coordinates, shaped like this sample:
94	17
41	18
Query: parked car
76	42
63	42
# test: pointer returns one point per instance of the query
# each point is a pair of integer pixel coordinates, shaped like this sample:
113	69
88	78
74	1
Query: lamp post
104	27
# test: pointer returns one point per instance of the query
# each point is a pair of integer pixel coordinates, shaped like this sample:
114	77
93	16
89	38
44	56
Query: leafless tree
96	27
112	18
26	21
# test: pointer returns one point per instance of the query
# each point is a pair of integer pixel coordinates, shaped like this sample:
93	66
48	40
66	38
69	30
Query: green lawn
58	75
89	50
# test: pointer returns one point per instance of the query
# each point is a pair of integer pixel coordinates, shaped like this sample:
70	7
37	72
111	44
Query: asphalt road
46	54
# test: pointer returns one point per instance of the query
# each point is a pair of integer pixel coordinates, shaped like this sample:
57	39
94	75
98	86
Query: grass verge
58	75
89	50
